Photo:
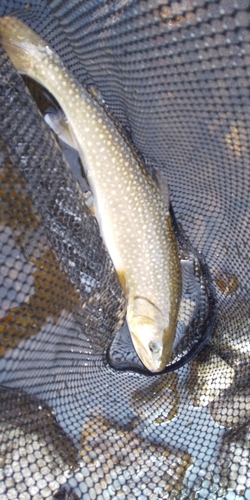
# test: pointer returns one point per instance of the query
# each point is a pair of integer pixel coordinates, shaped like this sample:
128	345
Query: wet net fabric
175	75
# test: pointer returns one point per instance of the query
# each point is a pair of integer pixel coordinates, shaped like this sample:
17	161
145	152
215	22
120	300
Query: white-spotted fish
134	220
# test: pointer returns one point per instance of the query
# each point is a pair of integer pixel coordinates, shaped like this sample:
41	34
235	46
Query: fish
132	210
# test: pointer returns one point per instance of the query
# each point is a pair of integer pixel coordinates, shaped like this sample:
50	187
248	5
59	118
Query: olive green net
175	76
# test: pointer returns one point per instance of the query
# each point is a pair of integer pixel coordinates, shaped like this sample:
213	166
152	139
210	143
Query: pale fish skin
134	220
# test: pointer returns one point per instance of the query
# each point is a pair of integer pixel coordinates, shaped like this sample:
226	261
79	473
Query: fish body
134	221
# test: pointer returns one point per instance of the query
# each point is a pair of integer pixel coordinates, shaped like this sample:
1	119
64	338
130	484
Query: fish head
148	333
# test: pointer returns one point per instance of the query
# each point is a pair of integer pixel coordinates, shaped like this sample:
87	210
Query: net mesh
175	75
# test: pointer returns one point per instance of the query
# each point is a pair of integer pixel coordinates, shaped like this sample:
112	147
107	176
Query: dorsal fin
162	187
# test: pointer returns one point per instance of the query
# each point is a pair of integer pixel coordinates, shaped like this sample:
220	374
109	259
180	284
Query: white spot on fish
49	51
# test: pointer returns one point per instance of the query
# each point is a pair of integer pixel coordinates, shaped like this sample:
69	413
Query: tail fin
20	42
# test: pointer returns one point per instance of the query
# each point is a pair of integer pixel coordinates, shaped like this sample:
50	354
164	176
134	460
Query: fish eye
154	347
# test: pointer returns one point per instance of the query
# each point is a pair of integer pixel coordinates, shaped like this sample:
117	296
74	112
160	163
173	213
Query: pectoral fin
122	279
56	119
